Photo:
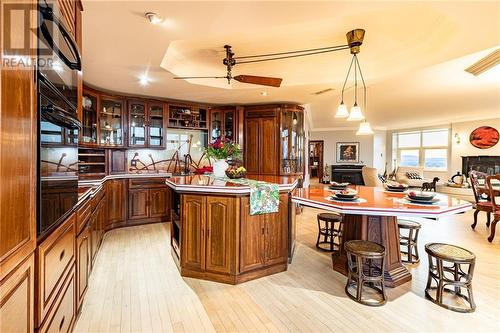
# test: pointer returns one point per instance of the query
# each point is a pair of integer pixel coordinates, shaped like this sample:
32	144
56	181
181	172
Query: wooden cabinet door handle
61	323
61	256
263	230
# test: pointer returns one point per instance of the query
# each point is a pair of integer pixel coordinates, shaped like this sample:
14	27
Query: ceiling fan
354	40
229	61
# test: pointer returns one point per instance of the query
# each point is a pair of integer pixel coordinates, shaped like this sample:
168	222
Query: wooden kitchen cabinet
274	140
117	200
221	241
147	123
263	238
17	298
223	123
55	258
138	206
149	200
220	231
193	232
83	264
159	199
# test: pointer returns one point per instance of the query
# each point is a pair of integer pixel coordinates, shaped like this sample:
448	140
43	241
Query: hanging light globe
342	111
364	129
355	114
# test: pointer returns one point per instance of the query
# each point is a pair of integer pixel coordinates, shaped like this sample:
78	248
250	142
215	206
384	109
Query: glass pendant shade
342	111
355	114
364	129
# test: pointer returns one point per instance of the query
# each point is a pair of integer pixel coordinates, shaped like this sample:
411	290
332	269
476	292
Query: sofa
402	178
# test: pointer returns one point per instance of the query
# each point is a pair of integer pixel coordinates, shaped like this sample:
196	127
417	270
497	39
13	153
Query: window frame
421	149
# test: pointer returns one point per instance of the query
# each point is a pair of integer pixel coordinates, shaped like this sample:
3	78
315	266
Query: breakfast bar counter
373	216
215	237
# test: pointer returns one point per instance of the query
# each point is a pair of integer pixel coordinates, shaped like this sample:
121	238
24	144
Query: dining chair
370	177
494	204
482	205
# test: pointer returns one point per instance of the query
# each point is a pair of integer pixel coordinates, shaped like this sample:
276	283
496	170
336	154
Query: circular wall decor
484	137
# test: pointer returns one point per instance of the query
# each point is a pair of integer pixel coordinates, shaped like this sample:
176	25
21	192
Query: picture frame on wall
347	152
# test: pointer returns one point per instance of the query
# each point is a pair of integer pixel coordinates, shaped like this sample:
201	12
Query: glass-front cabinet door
229	124
89	119
222	124
292	142
216	125
137	119
156	124
111	122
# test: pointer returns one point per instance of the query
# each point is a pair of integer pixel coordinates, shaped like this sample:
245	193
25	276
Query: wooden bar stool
365	268
409	240
330	230
453	275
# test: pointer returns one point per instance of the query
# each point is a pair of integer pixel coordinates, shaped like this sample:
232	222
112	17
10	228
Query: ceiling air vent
488	62
322	91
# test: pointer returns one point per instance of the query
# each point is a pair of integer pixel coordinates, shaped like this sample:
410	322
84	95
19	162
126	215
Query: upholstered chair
370	177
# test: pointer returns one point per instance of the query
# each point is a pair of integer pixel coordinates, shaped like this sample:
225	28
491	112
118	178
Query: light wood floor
135	287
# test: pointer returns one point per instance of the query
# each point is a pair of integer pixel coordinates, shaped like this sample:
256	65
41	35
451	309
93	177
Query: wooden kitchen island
214	237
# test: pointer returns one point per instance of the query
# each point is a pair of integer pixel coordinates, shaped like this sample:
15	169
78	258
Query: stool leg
429	276
409	247
382	284
416	245
325	236
471	297
319	233
359	289
440	287
332	228
456	277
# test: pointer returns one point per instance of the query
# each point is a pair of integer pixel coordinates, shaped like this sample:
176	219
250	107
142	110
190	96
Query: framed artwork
347	152
484	137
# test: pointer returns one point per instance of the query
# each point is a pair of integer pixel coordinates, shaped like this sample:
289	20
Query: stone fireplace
486	164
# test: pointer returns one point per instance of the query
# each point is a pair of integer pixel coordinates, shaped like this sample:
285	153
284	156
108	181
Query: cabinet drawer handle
263	230
61	323
61	256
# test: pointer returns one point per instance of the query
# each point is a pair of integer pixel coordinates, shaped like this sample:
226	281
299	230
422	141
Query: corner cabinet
147	123
274	140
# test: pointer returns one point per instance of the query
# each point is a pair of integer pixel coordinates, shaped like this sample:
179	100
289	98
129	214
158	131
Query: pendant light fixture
356	114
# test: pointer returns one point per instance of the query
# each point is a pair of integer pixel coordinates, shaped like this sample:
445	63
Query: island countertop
209	185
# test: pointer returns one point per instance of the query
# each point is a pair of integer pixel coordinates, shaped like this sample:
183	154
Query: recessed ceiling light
263	93
143	80
153	18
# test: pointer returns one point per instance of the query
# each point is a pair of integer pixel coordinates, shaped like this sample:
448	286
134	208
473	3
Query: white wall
464	148
372	148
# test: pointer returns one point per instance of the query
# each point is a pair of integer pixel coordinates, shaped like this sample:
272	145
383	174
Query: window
409	158
427	148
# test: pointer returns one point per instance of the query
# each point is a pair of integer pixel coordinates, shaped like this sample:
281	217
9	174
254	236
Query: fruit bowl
236	172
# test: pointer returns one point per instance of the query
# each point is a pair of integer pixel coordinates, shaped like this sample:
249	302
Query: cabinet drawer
82	215
147	182
55	257
62	315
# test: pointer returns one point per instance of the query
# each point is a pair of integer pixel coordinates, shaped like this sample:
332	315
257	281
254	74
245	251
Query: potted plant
220	151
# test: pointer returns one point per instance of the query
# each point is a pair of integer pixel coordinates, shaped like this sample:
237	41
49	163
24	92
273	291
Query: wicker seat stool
453	275
409	240
330	228
365	268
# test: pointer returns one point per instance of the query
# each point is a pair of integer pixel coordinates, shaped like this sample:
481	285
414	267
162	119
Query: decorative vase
220	167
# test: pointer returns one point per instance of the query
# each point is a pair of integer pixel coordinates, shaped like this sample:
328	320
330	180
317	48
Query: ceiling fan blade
199	77
261	80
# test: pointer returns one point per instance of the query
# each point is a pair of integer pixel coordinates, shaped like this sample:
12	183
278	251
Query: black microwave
58	124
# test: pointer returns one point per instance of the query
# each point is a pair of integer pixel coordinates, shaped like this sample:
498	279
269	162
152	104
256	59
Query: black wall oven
58	121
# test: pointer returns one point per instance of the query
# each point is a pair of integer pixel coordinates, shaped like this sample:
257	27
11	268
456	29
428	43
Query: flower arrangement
222	149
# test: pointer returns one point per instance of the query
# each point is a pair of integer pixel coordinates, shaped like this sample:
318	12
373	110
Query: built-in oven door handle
48	14
60	117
